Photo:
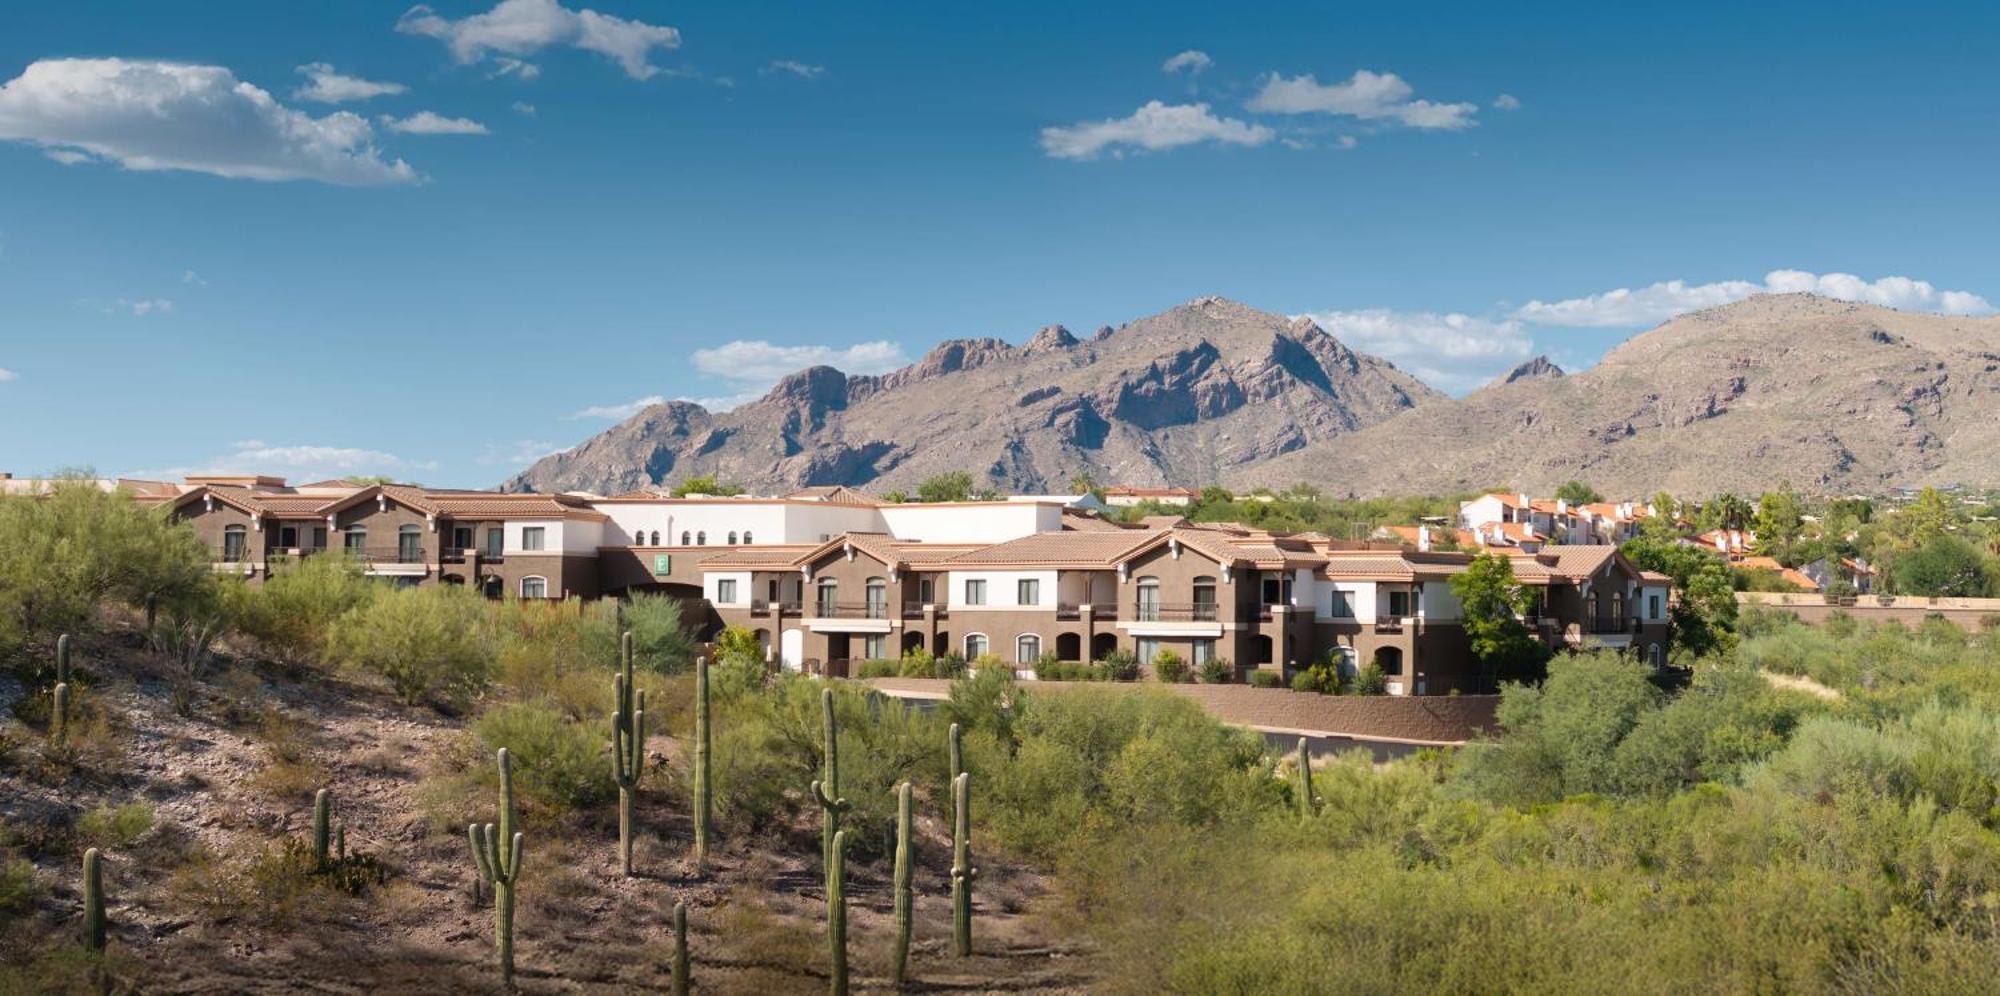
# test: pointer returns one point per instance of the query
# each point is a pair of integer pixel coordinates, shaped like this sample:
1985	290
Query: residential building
1125	497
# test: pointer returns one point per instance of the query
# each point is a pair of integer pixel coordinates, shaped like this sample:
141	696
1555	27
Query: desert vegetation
1814	809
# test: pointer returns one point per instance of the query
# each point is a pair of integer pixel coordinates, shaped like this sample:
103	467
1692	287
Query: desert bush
429	643
1371	681
880	669
1168	667
1217	671
18	889
114	827
1123	665
291	614
559	763
661	640
917	663
1261	678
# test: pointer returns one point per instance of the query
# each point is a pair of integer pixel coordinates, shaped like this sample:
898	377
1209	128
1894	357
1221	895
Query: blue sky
322	238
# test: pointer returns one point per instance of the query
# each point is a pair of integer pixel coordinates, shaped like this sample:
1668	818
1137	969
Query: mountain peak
1051	337
1540	366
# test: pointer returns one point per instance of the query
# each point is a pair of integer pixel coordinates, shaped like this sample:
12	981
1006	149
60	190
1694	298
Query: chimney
1562	506
1424	538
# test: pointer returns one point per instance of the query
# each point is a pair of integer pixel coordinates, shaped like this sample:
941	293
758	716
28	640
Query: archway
1102	644
1261	650
1069	646
913	640
1389	659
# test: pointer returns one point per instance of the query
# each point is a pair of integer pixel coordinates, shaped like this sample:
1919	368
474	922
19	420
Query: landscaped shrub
950	666
661	642
1169	668
430	643
1217	671
1262	678
1323	678
1122	665
917	663
880	669
1305	681
1371	681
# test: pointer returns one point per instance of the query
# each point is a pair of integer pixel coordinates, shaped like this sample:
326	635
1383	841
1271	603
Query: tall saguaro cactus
59	713
496	851
704	784
827	791
904	899
93	900
836	914
628	748
680	979
957	751
1308	802
62	659
962	871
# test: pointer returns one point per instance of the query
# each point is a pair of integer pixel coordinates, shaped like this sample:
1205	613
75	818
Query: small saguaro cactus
962	871
62	659
957	751
59	713
704	785
680	979
496	853
628	748
323	830
827	791
1308	802
836	914
904	898
93	900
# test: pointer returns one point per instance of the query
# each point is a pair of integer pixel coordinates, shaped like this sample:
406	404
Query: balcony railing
851	610
913	610
1610	627
1067	612
386	555
1175	612
1389	624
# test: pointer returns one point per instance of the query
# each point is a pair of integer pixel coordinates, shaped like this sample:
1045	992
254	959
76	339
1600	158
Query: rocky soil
198	903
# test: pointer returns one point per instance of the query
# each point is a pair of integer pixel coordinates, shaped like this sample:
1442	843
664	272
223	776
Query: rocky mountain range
1201	392
1828	395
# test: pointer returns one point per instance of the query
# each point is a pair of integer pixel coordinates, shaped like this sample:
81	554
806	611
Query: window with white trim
1028	591
1027	649
1343	604
725	591
975	594
533	537
534	586
975	646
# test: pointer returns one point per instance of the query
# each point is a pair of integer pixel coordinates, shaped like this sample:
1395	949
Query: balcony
1390	624
913	610
1068	613
395	560
850	610
1174	612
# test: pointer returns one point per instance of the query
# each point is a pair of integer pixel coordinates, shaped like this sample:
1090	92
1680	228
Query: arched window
684	537
829	596
1149	599
746	537
701	538
1027	649
534	586
656	537
410	544
975	646
1204	598
234	541
878	598
356	540
732	537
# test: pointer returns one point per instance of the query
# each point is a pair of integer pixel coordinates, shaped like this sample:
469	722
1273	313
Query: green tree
706	484
1780	519
1926	518
1081	483
430	643
1724	511
1216	494
1943	566
1491	602
954	485
1578	493
1704	616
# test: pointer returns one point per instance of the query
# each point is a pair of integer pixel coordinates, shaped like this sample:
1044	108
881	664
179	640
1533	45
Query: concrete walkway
1408	721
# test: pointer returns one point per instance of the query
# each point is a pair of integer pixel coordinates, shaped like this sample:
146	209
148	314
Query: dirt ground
196	906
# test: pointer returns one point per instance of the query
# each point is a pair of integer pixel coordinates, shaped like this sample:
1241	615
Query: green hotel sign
663	564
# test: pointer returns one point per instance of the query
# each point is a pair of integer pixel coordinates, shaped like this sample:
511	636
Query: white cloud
527	72
297	462
1367	95
326	86
1151	128
518	453
1451	351
164	115
623	411
524	108
68	157
7	375
1191	62
1658	302
523	27
758	362
1507	102
191	277
799	69
432	123
139	308
1349	141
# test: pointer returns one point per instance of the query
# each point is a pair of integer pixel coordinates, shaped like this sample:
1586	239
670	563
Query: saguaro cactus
62	659
323	830
703	784
957	751
628	748
59	713
836	914
680	987
904	899
93	900
1308	802
962	871
827	791
496	852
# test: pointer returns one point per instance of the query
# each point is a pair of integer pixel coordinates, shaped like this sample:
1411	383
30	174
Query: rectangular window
1028	592
872	646
725	591
1652	606
288	536
975	593
319	537
1148	647
461	537
496	539
1399	604
1343	604
232	545
356	541
926	593
1204	651
532	537
534	588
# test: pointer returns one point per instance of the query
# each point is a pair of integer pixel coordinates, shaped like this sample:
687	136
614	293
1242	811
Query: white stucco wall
1001	589
711	583
558	536
1439	602
973	522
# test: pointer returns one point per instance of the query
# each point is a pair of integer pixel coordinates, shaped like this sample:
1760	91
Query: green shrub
430	643
113	827
1371	681
1262	678
1168	667
1323	677
1217	671
1305	681
18	889
1122	665
950	666
917	663
880	669
292	613
558	762
661	642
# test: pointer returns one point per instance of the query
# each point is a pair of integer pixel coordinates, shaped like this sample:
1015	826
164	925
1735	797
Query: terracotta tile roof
758	557
1577	561
1059	549
836	494
1080	520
